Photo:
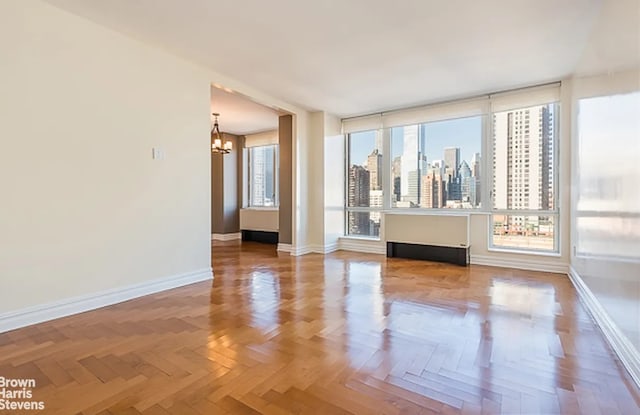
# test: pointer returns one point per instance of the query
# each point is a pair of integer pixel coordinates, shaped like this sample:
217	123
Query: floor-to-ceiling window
495	155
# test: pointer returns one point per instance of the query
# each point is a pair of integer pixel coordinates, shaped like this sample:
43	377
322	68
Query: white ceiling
361	56
239	115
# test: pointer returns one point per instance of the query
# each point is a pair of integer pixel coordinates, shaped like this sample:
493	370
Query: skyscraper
269	185
409	166
432	195
374	165
452	160
358	197
395	173
475	165
522	147
258	173
466	182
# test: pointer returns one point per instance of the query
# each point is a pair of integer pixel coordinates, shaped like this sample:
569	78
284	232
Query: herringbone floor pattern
344	333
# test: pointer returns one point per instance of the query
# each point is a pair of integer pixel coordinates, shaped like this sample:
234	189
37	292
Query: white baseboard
308	249
301	250
226	236
322	249
536	265
365	246
627	353
284	248
45	312
329	248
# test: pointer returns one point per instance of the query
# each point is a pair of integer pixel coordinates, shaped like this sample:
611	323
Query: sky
465	133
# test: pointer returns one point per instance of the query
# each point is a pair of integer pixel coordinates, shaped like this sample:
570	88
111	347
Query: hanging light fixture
216	146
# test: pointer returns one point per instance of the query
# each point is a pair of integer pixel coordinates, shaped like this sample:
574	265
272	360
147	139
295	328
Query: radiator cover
453	255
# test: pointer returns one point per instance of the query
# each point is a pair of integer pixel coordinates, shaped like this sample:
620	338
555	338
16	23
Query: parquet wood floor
344	333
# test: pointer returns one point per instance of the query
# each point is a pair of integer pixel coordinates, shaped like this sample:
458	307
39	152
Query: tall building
269	185
374	165
433	194
259	176
395	173
522	146
475	165
410	169
452	160
358	197
466	182
375	200
358	186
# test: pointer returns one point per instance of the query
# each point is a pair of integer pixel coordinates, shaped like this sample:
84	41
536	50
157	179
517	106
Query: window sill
551	254
360	238
267	208
433	212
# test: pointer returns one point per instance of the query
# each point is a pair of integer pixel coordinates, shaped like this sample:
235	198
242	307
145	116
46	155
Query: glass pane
365	169
607	209
263	176
523	165
363	223
524	232
406	167
437	164
608	206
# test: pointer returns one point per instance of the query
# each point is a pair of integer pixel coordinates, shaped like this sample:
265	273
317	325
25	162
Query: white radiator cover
438	230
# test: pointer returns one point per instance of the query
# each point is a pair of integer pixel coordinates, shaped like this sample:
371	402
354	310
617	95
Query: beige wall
314	183
285	176
226	187
84	207
259	219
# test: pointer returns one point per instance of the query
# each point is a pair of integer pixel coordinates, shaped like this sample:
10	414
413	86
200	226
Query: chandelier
217	146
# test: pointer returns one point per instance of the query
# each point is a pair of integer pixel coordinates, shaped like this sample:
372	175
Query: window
437	164
263	176
364	183
525	214
607	210
495	154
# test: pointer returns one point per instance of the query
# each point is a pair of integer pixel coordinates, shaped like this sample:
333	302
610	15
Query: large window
364	183
437	164
495	154
525	214
263	176
607	214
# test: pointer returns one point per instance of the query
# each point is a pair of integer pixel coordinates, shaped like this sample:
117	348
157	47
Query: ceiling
361	56
239	115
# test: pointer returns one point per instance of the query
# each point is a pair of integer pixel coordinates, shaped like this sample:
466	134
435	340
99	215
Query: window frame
484	106
385	194
276	178
555	212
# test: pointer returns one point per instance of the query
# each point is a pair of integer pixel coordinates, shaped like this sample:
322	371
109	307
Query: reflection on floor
336	334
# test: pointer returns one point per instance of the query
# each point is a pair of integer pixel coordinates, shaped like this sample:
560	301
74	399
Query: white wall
84	207
334	170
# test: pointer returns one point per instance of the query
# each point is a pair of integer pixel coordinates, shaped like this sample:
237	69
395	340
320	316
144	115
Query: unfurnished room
319	207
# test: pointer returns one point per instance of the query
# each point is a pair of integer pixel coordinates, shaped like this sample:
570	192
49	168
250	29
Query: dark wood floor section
345	333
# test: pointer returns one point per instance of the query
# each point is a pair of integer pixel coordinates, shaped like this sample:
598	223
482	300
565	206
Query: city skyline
446	175
464	133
